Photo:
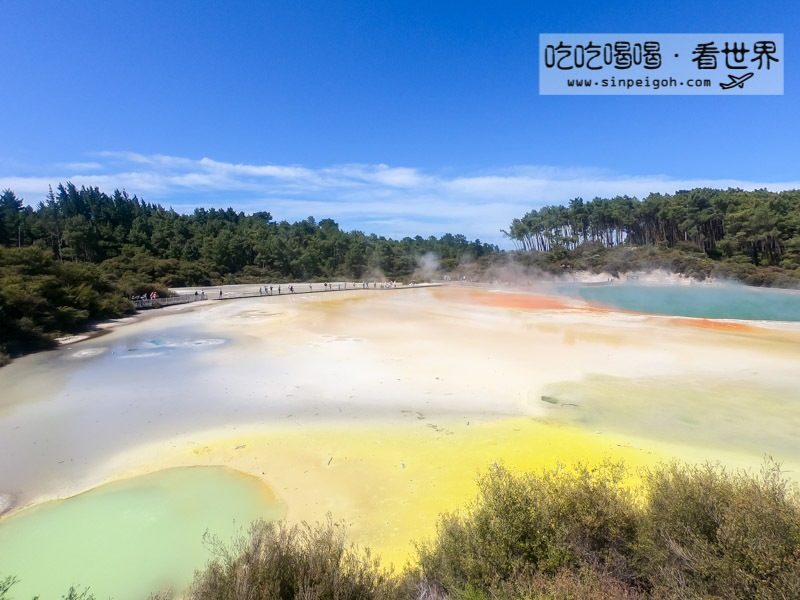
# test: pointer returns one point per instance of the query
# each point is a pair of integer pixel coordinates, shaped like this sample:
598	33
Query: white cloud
379	198
83	166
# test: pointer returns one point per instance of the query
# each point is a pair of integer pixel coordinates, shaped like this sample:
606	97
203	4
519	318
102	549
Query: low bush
707	533
278	561
687	532
690	532
528	525
72	593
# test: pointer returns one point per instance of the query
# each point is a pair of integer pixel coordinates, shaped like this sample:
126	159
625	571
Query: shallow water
737	415
712	302
129	538
64	410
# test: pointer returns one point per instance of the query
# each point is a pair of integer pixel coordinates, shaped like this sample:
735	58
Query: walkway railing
300	289
159	302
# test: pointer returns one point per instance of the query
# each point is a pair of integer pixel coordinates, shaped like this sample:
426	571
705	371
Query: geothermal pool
698	300
140	533
377	406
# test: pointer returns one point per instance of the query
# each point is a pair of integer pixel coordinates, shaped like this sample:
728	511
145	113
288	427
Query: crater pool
129	538
711	302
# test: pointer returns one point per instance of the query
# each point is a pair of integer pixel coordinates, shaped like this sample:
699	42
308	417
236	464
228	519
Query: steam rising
428	267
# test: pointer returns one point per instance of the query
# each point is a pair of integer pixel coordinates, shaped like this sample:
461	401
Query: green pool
129	538
712	302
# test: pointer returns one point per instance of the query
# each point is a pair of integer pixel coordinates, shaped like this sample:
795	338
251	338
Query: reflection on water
713	302
69	408
137	346
142	355
175	343
87	352
164	346
130	538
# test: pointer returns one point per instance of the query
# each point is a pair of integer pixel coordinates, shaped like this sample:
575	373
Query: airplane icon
736	81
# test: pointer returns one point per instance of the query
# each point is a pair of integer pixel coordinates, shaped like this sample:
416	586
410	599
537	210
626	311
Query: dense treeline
685	259
687	532
210	246
80	253
758	227
41	298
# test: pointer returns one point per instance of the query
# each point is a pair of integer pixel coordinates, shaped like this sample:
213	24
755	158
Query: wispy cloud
82	166
394	201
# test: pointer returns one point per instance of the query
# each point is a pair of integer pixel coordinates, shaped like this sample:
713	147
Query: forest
80	253
209	246
752	237
759	227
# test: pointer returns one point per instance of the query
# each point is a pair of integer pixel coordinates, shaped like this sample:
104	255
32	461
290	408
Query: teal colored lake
129	538
712	302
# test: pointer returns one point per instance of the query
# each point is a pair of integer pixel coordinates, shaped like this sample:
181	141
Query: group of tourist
151	296
269	290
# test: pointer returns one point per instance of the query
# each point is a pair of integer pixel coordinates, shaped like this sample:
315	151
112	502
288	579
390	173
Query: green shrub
277	561
691	532
708	533
534	523
5	585
41	298
586	584
72	594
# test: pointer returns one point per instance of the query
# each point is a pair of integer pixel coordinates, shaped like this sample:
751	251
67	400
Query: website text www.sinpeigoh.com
638	83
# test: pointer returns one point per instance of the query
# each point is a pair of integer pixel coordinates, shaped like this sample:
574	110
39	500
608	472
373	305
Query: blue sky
399	118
